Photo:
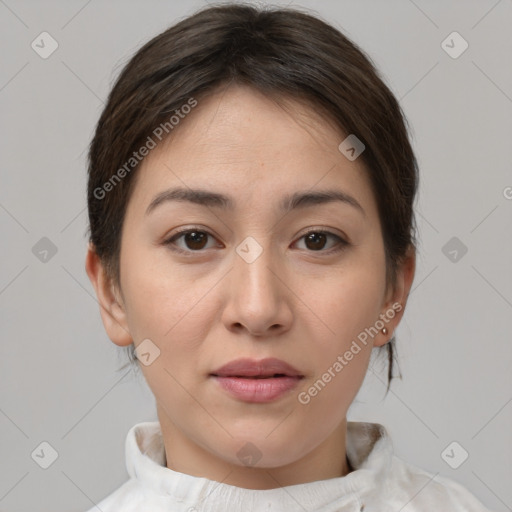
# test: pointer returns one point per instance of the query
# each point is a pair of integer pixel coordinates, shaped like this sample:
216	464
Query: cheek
348	307
160	299
350	303
175	314
340	359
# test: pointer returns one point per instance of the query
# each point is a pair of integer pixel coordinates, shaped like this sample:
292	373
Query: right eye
194	240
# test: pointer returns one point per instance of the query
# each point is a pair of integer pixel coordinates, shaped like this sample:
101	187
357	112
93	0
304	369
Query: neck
328	460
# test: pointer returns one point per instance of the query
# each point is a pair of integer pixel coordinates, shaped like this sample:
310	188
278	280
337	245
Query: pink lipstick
255	381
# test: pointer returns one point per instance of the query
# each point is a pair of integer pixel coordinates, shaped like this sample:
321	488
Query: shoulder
416	490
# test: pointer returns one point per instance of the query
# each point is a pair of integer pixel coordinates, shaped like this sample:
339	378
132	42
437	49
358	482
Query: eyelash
342	244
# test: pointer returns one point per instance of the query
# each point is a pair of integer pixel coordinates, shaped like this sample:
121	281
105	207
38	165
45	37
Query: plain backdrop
59	375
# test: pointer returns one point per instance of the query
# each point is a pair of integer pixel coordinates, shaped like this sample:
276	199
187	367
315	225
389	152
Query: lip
255	381
252	368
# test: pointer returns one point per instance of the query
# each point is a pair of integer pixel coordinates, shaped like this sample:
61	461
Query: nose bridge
257	297
254	262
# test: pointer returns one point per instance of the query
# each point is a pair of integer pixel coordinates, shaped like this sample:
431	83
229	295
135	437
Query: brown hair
282	52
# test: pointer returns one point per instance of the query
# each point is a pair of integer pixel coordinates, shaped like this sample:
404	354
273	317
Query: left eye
195	240
315	240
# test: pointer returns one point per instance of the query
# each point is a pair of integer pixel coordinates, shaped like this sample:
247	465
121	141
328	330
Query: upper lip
252	368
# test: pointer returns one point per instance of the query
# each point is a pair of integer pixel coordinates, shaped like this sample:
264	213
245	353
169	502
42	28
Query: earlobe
112	310
395	304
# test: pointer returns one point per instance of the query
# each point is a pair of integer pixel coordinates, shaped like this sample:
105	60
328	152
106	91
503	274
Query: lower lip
257	390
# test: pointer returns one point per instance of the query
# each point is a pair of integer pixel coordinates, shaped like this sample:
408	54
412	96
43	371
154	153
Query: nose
258	299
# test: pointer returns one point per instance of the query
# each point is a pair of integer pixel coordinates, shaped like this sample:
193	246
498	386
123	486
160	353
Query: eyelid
325	230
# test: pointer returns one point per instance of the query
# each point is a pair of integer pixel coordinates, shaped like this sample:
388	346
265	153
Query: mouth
270	368
254	381
274	376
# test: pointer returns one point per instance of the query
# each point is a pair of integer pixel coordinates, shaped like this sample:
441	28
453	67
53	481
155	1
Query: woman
251	190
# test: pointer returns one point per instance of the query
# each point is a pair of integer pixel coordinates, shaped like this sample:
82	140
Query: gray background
58	375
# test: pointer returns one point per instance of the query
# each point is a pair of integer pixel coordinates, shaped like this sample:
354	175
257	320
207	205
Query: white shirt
380	482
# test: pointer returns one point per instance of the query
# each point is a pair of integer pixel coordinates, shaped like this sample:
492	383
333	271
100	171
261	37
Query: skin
298	304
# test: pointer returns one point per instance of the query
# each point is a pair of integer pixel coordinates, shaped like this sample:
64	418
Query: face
213	281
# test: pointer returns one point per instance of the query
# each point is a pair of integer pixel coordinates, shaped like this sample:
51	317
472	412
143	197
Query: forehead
240	120
239	141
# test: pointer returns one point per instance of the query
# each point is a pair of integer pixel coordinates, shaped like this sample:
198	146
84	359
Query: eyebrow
215	200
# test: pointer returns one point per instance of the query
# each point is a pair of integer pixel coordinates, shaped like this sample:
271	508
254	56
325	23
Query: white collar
369	450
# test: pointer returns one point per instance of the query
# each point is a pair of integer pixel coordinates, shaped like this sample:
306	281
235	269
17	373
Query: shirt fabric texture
379	482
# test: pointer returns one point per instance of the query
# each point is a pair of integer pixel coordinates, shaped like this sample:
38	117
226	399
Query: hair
284	53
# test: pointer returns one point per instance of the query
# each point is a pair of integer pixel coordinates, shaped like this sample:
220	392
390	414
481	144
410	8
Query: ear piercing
384	331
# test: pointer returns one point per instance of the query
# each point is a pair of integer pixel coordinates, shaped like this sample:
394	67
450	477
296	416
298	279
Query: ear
111	307
396	298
